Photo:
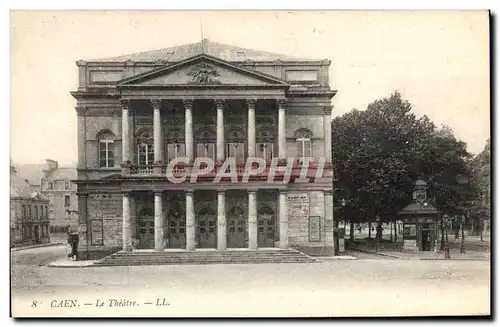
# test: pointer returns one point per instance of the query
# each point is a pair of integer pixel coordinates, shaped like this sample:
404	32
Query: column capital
251	103
189	191
155	103
328	192
124	104
283	192
252	192
221	192
160	193
80	111
188	103
327	110
219	103
282	103
126	192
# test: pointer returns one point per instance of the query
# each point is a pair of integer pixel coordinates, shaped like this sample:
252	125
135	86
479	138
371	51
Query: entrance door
177	229
266	227
37	234
146	229
207	231
236	228
426	242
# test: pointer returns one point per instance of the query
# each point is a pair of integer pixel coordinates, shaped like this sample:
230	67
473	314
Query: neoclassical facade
140	113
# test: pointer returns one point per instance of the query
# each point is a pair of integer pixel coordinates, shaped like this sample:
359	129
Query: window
176	150
67	185
29	210
236	146
303	139
36	212
51	185
205	144
67	201
264	148
106	150
23	210
237	151
265	151
145	149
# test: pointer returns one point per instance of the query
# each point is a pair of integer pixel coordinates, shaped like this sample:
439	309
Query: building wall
58	214
29	222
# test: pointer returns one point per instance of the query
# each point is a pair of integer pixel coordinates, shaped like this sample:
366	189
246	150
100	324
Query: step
205	257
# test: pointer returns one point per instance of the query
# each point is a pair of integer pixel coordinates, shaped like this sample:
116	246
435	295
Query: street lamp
379	231
336	232
462	243
446	246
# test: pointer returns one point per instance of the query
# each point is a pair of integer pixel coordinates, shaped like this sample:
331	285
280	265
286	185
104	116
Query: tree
380	152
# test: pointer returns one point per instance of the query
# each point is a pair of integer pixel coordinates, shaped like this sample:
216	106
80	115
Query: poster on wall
410	245
96	229
314	229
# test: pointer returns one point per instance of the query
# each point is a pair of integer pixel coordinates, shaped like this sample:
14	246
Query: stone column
327	122
220	132
190	222
251	127
157	138
159	237
80	111
252	220
281	131
188	107
221	221
125	137
127	228
283	217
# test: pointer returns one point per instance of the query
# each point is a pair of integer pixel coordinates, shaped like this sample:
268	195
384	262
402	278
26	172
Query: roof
214	49
32	172
19	188
418	208
63	173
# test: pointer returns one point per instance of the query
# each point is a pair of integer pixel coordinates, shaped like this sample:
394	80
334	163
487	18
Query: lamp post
378	232
446	246
442	231
462	243
336	232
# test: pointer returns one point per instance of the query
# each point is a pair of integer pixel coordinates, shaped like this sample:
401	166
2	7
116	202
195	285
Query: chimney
50	164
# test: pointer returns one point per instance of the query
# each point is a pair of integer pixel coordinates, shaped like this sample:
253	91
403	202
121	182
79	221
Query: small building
29	222
57	186
419	221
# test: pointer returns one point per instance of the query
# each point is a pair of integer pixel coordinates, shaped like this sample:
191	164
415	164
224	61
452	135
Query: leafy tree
380	152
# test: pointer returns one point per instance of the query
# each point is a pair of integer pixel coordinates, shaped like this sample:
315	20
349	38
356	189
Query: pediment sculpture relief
203	74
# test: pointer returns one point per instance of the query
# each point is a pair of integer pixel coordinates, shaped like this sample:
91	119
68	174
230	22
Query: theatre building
138	112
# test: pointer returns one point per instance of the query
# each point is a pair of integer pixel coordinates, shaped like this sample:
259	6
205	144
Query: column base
157	168
126	168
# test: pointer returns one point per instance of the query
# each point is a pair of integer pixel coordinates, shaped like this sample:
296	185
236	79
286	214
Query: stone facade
29	223
57	186
138	112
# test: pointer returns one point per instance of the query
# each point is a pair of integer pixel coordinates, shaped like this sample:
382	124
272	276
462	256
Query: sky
439	61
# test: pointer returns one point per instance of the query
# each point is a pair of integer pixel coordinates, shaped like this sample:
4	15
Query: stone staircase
180	257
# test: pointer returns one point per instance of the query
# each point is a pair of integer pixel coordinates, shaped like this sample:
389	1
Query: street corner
72	264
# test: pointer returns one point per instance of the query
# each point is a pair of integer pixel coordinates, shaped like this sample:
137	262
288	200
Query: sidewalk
454	255
67	263
15	249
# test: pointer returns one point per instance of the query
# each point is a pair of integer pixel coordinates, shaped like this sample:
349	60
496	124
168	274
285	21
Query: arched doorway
266	227
146	229
207	228
236	228
177	228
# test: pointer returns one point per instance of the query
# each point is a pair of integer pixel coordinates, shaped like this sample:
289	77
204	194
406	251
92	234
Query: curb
378	253
35	246
70	265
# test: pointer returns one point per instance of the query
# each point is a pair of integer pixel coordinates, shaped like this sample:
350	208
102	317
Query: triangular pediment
202	70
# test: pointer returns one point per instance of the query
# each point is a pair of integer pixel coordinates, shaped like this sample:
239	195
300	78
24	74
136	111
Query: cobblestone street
336	288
